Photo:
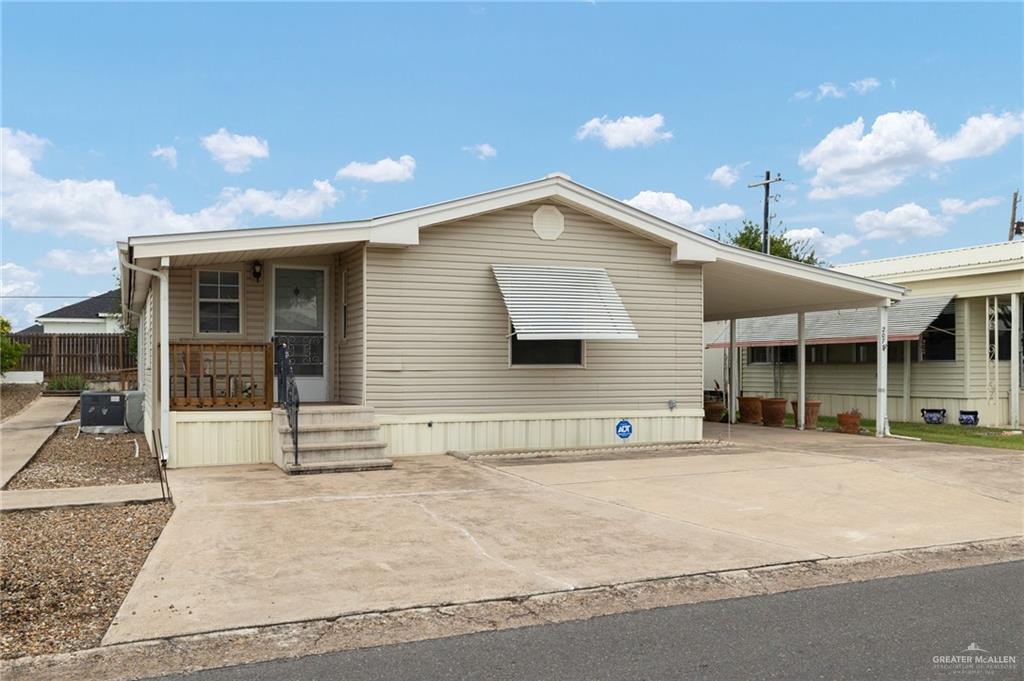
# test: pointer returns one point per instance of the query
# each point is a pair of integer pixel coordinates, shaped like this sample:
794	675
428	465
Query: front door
300	320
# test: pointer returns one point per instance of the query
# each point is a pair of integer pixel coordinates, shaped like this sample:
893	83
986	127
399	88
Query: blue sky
898	127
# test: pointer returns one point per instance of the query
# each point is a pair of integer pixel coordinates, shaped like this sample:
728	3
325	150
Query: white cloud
169	154
900	223
823	244
680	211
626	131
94	261
726	175
384	170
851	162
481	151
98	210
802	94
235	152
16	280
865	85
826	90
961	207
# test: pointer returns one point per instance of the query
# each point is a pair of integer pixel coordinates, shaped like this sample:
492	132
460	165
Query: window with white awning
563	303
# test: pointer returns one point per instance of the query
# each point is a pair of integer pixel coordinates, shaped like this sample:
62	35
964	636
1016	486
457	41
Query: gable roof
90	308
952	262
737	282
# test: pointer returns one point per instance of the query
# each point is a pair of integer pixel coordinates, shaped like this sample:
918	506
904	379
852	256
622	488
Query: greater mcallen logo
977	660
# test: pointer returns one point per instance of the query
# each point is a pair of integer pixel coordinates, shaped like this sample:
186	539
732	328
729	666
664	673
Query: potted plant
750	409
849	421
713	410
811	410
773	411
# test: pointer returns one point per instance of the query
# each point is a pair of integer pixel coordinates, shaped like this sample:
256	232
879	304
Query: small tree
749	237
132	334
10	351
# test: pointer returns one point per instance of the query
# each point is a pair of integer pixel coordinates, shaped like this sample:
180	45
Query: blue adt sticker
624	429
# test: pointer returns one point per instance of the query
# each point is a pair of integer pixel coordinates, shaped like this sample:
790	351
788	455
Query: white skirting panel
220	438
437	434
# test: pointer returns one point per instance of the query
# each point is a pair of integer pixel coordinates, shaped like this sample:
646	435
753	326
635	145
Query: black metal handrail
287	391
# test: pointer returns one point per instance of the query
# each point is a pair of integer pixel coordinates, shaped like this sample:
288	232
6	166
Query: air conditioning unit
134	410
102	412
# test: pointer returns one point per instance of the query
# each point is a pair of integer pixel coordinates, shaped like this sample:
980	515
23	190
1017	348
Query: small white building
98	314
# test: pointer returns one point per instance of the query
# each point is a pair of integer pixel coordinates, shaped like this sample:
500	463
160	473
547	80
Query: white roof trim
908	319
563	303
402	229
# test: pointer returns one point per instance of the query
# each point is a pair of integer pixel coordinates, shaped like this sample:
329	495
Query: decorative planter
933	416
849	423
773	411
750	409
811	409
968	418
713	411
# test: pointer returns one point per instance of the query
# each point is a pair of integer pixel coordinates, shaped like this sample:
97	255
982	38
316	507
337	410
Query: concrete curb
70	497
349	632
516	454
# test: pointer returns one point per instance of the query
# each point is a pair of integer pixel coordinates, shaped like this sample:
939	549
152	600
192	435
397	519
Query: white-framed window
938	342
545	353
219	301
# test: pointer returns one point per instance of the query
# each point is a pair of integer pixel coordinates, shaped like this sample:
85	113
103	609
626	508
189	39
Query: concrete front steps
333	438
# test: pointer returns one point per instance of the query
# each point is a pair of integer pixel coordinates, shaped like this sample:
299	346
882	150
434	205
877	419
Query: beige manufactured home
542	315
955	341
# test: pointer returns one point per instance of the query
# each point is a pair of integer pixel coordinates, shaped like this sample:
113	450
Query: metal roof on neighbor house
908	319
90	308
563	303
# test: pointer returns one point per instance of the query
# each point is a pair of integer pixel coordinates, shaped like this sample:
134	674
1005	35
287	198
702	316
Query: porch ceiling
737	290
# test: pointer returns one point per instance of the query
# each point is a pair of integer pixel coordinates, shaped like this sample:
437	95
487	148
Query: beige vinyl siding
979	352
348	348
437	327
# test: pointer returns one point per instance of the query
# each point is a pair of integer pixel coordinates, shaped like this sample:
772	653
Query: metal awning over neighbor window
563	303
908	319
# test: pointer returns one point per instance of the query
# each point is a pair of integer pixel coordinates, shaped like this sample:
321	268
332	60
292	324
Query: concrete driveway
250	546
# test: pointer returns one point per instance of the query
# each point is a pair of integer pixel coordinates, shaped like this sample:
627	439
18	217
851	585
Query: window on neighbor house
817	354
758	355
938	342
568	352
219	297
1003	329
866	353
896	353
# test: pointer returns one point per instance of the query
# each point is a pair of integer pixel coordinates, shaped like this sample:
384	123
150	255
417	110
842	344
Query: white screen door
300	309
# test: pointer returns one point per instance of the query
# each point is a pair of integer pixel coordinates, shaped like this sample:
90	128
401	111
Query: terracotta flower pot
849	423
773	411
811	409
750	409
713	410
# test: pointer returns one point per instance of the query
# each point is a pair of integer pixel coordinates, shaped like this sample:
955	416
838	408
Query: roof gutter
165	354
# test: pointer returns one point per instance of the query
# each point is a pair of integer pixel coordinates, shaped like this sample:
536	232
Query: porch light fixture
257	271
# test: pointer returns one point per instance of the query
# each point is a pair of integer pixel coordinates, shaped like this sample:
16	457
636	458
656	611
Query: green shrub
10	351
68	382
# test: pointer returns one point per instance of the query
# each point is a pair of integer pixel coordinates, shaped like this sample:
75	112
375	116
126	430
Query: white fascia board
798	270
245	240
69	320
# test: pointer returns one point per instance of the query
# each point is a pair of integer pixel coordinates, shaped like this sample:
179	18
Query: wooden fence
84	354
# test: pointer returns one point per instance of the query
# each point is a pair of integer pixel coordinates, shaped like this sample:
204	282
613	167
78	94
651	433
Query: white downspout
165	352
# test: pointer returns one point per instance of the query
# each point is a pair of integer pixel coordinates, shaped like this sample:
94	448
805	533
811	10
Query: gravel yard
65	461
66	571
15	396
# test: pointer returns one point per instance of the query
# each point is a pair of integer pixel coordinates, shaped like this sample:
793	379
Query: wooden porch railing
221	375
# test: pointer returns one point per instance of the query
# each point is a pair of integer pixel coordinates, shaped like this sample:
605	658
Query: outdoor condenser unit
134	416
102	412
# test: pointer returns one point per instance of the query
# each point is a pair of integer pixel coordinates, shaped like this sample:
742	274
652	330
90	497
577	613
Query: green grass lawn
947	433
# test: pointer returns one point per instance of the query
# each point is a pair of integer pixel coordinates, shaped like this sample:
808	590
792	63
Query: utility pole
1016	226
767	183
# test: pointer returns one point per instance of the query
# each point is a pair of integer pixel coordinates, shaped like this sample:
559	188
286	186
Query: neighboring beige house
960	327
541	315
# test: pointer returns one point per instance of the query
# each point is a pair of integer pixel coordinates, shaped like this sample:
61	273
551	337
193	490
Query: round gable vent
548	222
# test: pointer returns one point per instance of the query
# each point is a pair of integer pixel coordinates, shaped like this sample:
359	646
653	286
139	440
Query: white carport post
801	370
1015	365
734	372
881	390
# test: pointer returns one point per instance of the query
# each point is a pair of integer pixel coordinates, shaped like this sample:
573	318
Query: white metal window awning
563	303
908	319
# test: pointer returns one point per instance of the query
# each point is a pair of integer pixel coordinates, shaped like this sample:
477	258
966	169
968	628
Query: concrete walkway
23	434
104	495
251	546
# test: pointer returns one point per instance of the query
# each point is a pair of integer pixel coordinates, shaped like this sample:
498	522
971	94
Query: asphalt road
888	629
